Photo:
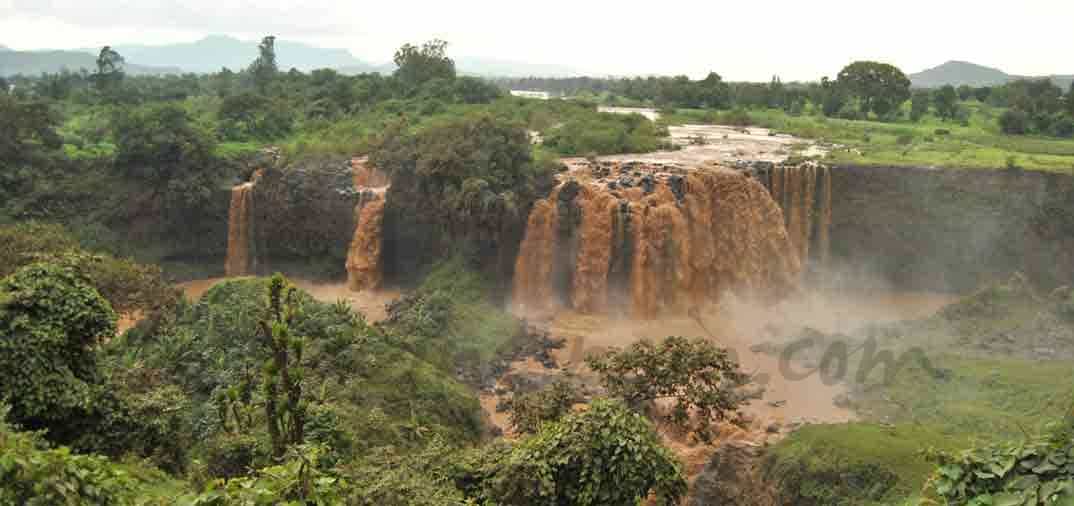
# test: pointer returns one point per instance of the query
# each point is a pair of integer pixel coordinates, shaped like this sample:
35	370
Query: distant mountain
32	63
957	73
214	52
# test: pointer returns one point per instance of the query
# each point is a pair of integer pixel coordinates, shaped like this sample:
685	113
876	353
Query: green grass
979	145
852	464
971	395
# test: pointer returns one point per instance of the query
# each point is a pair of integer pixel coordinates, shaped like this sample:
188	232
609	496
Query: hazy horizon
751	42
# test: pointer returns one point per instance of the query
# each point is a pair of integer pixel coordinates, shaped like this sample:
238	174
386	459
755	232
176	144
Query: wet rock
648	184
677	184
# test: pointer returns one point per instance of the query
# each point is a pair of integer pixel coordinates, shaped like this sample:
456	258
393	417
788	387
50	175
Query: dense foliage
1030	472
51	319
700	379
459	182
604	455
530	410
128	286
33	474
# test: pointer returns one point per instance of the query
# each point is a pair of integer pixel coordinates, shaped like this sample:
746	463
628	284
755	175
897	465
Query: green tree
285	409
529	411
606	455
982	94
50	319
160	143
832	97
264	68
109	70
418	65
1014	122
28	130
919	105
965	92
701	380
880	88
713	92
946	101
1070	101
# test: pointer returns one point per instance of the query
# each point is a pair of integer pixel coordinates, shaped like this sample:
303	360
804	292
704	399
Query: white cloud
740	40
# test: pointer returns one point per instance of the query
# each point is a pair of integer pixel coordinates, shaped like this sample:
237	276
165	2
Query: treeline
862	90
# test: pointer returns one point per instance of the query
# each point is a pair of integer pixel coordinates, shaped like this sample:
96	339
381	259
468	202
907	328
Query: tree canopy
881	88
418	65
50	320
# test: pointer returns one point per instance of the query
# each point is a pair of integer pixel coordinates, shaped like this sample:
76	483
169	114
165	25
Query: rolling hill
32	63
214	52
957	73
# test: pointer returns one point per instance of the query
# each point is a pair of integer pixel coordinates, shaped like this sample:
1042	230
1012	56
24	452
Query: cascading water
363	257
241	255
804	192
664	242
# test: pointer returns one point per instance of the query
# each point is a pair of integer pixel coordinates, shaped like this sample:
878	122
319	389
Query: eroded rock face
733	476
304	215
952	229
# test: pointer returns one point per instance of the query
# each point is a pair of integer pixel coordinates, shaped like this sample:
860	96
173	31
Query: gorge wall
299	219
643	241
948	229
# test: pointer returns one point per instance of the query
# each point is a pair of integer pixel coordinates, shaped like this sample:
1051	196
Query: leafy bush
1014	122
701	379
605	455
461	184
51	318
529	411
297	481
1035	472
33	474
606	134
127	285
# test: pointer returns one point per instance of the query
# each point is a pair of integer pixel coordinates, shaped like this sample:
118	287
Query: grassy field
930	142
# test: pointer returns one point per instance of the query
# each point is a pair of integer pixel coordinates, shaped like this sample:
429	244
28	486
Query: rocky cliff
952	230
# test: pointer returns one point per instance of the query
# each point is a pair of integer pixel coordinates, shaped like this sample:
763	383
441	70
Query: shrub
51	318
1064	127
529	411
736	117
127	285
605	455
231	455
1038	471
33	474
701	379
904	140
1014	122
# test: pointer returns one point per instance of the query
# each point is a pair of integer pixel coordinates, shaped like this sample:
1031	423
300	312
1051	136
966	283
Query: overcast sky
740	39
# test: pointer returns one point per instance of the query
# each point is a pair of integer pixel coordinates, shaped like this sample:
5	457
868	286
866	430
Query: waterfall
363	258
241	257
804	192
666	243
